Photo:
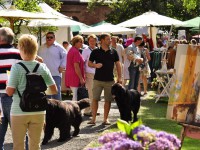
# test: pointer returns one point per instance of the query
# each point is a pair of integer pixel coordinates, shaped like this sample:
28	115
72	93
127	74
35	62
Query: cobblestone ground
87	134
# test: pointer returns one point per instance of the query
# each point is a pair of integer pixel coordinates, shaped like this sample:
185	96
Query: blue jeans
6	102
57	80
134	74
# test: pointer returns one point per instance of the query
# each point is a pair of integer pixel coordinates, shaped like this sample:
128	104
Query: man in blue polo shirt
103	59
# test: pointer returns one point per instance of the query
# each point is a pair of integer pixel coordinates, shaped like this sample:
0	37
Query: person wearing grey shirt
135	59
54	56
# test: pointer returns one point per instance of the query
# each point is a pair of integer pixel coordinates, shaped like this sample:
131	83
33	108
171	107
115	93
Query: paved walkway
87	134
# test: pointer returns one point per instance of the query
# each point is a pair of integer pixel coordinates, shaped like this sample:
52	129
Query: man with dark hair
103	60
54	56
66	45
8	56
135	60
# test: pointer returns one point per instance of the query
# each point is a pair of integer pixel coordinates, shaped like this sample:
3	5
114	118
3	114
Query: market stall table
189	130
164	79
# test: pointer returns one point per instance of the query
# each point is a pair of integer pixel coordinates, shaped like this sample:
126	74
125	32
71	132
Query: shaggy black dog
128	102
63	115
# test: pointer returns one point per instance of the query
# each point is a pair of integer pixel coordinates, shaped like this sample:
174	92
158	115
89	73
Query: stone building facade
77	9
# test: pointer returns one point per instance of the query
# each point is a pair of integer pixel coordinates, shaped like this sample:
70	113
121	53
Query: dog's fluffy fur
128	102
63	115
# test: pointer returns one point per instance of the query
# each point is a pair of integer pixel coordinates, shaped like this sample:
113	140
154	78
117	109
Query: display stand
190	131
184	90
164	79
164	76
184	99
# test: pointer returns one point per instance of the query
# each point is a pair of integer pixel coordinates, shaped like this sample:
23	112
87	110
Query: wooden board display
184	90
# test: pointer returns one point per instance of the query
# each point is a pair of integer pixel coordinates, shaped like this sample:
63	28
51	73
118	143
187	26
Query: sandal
91	123
106	123
145	94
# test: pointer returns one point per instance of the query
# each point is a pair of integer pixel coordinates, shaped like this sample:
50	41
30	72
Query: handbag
82	93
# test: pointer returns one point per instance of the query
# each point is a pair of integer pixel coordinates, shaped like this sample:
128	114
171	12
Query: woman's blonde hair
28	44
76	39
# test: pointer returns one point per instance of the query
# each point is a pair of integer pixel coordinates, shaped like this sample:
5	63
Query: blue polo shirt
107	58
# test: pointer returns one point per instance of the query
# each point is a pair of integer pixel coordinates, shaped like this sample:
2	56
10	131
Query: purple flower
113	136
171	137
161	144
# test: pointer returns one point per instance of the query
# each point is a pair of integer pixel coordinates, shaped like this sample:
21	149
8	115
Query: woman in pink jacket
74	76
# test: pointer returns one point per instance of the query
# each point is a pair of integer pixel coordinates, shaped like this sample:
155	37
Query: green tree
191	4
31	6
125	9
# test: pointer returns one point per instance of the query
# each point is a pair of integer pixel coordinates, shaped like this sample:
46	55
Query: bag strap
20	96
25	68
27	71
36	67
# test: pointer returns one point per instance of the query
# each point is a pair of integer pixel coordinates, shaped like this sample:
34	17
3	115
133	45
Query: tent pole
40	35
199	32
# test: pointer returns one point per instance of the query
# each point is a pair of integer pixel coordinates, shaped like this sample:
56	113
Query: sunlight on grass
154	115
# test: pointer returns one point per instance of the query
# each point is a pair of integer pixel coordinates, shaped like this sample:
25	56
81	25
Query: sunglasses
49	37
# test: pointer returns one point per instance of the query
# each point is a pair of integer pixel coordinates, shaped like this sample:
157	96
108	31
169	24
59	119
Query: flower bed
137	137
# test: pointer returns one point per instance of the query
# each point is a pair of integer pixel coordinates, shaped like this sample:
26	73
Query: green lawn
154	115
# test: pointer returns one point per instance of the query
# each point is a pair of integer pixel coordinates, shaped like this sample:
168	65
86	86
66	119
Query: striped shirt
17	80
8	57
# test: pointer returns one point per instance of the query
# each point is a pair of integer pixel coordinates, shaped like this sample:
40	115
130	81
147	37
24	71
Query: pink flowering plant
136	136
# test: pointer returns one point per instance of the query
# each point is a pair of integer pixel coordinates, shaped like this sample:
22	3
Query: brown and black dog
63	115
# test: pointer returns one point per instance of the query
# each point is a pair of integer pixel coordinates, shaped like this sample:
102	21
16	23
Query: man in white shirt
54	56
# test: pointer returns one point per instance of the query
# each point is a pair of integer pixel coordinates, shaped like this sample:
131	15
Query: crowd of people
96	65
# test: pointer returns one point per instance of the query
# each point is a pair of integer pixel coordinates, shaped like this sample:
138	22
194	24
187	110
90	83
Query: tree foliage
122	10
191	4
31	6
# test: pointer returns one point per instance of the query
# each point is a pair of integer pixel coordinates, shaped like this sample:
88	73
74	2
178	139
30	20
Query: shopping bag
82	93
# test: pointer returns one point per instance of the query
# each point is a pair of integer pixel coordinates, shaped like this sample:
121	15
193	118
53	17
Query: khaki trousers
89	85
33	124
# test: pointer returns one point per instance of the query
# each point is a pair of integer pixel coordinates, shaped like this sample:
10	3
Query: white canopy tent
107	28
12	14
60	21
63	23
150	18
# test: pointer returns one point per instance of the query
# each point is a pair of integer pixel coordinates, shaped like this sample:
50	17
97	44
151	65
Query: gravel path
87	134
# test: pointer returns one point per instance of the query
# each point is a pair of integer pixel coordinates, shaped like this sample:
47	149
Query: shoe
91	123
88	114
106	123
